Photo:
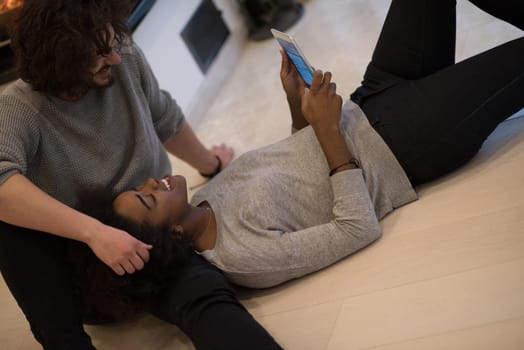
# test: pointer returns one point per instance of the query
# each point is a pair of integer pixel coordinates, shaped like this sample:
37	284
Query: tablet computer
304	69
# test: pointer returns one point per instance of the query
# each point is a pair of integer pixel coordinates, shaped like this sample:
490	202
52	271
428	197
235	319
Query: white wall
159	37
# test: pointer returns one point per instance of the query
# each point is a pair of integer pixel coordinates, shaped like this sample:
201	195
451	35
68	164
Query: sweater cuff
348	182
7	174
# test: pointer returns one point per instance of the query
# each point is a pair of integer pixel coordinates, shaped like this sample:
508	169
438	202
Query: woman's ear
177	230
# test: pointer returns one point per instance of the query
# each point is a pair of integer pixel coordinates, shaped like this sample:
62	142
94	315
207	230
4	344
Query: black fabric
220	322
200	301
435	114
33	269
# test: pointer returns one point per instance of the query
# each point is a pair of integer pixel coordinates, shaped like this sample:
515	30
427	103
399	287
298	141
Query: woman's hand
322	108
119	250
291	82
294	87
321	105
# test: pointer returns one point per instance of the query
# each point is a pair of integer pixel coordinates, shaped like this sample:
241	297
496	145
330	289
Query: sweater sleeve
19	136
167	115
353	227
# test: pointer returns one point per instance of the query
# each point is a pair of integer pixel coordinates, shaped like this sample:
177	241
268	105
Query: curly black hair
103	296
54	41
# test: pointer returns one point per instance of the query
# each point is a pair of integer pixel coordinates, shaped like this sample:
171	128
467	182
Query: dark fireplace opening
204	34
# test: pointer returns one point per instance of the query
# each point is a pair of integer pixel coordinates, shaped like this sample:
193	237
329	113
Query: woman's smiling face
159	202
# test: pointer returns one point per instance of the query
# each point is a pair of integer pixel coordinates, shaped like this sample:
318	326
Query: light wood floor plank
505	335
473	298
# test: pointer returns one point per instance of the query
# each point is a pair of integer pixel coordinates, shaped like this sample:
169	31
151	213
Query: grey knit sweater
280	216
112	137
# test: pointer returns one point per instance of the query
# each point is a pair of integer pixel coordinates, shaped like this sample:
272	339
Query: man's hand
119	250
116	248
186	146
224	152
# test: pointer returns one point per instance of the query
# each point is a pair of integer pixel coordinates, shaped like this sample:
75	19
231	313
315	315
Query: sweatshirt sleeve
19	136
167	115
354	226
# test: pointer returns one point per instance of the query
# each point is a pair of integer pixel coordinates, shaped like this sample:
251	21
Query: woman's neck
200	226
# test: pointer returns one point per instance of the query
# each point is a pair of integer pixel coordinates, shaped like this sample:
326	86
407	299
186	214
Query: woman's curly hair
103	296
54	41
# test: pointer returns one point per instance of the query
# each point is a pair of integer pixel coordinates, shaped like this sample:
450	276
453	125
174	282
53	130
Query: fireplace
8	11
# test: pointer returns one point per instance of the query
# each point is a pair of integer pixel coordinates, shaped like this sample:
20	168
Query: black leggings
200	301
435	114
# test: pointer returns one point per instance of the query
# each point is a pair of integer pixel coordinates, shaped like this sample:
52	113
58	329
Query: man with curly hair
88	112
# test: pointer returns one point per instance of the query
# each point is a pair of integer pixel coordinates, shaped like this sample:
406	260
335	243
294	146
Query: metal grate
204	34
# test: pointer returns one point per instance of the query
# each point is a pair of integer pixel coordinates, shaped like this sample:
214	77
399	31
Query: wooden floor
448	272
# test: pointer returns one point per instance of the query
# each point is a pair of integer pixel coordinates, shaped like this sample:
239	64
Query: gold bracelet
352	161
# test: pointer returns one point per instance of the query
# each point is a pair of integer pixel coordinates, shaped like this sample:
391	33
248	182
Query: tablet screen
298	61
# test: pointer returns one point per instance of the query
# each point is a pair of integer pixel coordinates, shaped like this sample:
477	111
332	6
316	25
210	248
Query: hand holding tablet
304	69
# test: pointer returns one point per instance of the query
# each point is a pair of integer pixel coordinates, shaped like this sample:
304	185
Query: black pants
435	114
199	301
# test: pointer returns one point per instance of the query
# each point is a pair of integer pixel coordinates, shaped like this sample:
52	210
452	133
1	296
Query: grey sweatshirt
280	216
112	137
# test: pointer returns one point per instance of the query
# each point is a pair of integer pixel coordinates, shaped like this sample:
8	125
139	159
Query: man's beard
95	85
110	80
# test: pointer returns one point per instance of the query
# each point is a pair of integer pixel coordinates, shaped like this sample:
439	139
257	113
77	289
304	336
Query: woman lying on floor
301	204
